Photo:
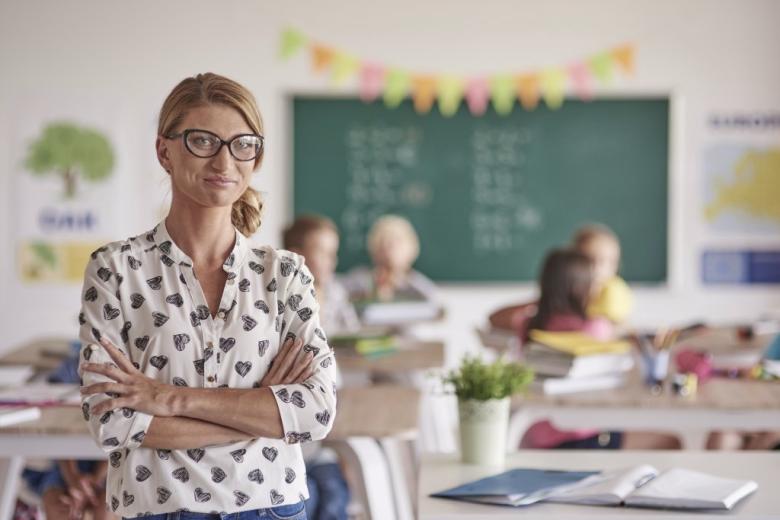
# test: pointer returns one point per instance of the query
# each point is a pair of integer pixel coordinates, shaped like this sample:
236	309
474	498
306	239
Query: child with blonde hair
612	298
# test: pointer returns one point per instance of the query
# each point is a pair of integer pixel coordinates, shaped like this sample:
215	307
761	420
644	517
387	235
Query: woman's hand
130	387
289	366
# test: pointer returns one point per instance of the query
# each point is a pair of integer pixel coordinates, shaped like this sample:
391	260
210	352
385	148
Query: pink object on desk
690	361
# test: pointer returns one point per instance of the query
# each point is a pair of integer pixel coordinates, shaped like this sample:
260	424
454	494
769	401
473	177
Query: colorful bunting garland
501	89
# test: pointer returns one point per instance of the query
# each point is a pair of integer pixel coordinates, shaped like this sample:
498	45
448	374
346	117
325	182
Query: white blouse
142	294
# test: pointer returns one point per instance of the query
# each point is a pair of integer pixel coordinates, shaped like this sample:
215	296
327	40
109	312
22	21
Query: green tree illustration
70	151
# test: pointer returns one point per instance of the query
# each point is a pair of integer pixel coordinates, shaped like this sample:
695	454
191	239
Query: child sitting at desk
612	298
316	238
566	287
394	247
71	488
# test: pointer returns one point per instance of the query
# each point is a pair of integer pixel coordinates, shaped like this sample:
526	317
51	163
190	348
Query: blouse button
211	379
221	315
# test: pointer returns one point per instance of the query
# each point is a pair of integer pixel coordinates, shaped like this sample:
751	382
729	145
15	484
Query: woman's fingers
287	361
104	388
106	369
301	366
276	362
119	358
306	375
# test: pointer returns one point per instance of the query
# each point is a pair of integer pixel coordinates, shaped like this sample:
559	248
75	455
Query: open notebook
644	486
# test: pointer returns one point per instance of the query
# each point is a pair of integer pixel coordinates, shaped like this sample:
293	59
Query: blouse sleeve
101	316
307	409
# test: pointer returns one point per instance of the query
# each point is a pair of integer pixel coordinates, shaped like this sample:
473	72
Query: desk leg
400	463
376	477
10	470
519	422
693	439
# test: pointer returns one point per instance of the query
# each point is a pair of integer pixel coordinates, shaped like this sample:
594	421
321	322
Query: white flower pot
483	428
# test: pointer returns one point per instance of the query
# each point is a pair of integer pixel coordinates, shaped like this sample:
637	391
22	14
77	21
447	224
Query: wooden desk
442	472
410	356
719	404
42	354
372	421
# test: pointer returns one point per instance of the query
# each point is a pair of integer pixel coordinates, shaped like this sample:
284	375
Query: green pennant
601	67
396	87
343	67
502	92
450	90
290	43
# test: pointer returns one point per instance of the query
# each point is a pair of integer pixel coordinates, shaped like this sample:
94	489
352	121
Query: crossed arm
187	418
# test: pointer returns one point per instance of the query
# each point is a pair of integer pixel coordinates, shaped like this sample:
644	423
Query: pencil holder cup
655	365
483	429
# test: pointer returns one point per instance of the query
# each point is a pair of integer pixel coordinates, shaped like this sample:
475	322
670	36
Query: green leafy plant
481	381
70	151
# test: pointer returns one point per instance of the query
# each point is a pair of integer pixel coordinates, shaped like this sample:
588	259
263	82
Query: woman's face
207	182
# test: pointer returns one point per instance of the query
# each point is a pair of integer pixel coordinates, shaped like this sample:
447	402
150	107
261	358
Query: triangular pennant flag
528	90
477	95
396	87
450	90
321	57
290	43
502	91
423	93
601	67
580	78
343	67
553	83
624	57
371	77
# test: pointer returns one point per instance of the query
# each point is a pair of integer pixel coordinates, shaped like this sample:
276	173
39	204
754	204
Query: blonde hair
303	226
213	89
393	225
589	232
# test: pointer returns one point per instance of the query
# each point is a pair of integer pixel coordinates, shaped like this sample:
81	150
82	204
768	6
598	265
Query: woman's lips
220	182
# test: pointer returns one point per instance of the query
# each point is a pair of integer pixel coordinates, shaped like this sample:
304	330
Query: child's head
601	245
393	243
317	239
565	285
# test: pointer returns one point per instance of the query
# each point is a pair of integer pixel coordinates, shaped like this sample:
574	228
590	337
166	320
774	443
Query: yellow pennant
450	92
321	57
624	57
423	93
527	87
553	83
344	67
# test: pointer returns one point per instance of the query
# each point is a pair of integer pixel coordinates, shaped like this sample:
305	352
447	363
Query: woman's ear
163	153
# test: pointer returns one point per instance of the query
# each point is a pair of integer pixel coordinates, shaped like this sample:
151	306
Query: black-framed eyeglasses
205	144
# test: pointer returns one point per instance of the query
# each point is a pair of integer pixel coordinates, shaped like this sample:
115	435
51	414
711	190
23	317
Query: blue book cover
516	487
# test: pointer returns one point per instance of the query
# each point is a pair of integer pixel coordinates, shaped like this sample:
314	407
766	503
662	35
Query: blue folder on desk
517	487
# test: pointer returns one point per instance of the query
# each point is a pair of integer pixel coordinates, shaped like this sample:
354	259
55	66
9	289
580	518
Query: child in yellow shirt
612	298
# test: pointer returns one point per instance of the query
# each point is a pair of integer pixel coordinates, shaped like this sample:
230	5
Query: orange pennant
423	93
528	90
321	57
624	56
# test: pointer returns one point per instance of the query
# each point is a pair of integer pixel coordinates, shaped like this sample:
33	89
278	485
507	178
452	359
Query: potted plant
484	392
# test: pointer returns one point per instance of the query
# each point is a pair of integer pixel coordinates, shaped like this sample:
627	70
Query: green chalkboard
488	195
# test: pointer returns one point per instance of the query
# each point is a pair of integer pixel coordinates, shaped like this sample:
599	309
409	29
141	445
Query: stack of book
566	362
370	342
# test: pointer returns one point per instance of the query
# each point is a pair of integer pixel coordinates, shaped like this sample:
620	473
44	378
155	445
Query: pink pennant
580	78
371	78
477	95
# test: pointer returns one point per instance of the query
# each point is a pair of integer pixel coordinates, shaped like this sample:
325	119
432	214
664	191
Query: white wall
711	55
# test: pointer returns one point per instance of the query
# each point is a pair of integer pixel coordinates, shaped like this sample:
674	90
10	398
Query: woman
211	365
